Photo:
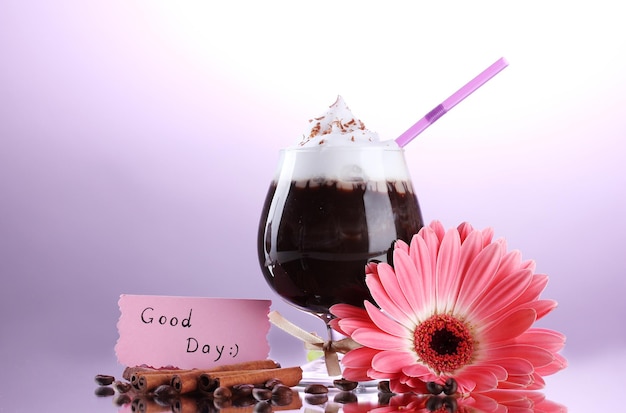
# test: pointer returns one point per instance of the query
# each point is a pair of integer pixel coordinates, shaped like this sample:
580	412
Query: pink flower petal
347	310
425	274
353	374
500	295
470	248
392	361
543	307
348	326
401	245
465	229
514	365
479	379
379	293
510	326
517	382
417	370
359	358
479	274
389	280
409	282
432	241
438	229
548	339
558	364
379	340
447	268
385	323
534	354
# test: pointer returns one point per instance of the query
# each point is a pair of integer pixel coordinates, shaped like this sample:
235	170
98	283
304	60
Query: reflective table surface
41	382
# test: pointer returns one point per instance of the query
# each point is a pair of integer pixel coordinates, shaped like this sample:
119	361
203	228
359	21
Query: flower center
444	343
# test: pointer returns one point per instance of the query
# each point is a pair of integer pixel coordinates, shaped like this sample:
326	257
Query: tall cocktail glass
328	212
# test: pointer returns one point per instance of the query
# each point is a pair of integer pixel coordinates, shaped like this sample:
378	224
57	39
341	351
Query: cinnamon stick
246	365
145	379
145	382
289	376
186	382
128	372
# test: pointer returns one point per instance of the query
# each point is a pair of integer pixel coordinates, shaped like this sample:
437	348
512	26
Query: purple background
138	138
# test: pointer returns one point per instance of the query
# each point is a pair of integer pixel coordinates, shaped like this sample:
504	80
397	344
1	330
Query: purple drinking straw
451	102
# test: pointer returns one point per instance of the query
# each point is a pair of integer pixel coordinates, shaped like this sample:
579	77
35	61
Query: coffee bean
261	394
345	385
165	392
316	389
222	393
434	388
104	379
450	387
242	390
282	395
122	386
383	386
271	383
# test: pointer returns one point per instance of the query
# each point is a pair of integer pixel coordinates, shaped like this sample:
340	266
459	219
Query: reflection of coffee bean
451	404
315	399
222	403
122	399
344	397
434	403
384	398
262	407
104	391
244	401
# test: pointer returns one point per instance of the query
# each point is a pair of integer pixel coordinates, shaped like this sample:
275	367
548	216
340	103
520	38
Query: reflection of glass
327	213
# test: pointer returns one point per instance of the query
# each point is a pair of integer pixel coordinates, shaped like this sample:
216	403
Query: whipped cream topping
338	126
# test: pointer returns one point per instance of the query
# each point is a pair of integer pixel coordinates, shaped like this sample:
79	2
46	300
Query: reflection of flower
489	402
455	304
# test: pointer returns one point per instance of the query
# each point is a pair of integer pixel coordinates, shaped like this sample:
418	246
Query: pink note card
191	332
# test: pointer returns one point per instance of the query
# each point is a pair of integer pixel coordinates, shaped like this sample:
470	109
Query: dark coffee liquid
313	249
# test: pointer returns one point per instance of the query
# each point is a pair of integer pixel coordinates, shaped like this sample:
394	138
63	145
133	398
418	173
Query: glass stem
331	334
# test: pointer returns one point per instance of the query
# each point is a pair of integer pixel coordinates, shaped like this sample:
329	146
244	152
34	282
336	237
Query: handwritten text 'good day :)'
148	316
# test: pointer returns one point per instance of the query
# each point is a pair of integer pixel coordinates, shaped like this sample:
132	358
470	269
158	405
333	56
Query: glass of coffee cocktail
339	200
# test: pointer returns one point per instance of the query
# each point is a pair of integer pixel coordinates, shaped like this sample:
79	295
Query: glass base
314	372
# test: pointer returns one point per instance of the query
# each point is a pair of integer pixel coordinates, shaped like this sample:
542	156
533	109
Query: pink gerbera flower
456	305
